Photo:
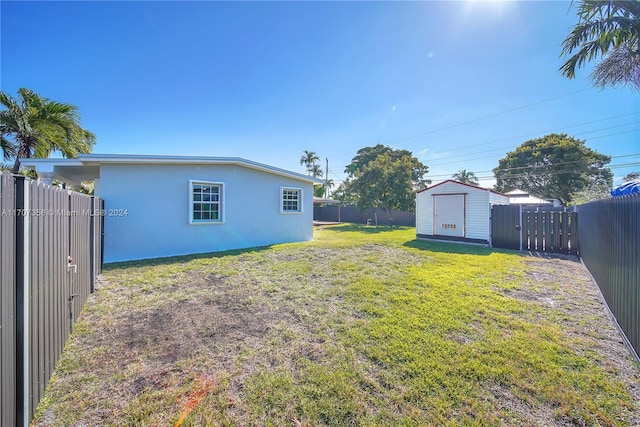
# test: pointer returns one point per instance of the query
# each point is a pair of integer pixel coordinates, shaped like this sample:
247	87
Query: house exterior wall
147	210
478	203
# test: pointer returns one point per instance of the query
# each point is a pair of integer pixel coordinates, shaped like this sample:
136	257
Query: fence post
92	244
23	252
521	227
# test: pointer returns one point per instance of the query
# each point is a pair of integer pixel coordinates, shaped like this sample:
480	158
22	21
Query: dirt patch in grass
369	334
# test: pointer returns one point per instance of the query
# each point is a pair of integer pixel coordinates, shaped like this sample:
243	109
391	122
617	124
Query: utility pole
326	179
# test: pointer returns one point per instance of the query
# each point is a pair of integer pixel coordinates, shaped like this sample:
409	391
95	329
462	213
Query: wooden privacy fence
610	248
534	229
51	253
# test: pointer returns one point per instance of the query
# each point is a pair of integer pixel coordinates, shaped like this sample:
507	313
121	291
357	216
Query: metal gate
537	229
505	226
50	251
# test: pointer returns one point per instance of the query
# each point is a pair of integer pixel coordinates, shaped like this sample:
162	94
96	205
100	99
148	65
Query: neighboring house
158	206
452	210
520	197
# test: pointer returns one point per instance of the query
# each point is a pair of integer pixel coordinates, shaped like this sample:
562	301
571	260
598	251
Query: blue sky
457	83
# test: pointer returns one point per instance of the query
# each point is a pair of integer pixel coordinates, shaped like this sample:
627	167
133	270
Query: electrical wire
543	132
550	145
541	169
544	101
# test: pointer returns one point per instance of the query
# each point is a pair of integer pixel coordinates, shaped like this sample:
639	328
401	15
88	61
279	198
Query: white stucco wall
478	203
147	210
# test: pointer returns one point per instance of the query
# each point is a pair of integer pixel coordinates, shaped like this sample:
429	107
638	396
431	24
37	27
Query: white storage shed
452	210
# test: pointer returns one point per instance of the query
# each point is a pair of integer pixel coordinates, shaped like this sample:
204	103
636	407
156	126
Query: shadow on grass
457	248
368	229
150	262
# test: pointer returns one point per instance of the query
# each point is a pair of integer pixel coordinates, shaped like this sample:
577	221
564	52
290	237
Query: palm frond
603	26
37	126
620	67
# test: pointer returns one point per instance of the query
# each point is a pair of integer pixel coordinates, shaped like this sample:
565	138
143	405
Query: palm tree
33	126
610	29
465	177
328	185
315	171
308	159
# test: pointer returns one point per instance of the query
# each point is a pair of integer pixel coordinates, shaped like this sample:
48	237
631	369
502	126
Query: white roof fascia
149	159
47	165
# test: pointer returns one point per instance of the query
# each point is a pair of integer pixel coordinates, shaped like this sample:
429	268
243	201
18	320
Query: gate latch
70	265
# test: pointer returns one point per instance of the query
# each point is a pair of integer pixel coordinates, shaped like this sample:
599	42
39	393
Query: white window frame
221	203
300	205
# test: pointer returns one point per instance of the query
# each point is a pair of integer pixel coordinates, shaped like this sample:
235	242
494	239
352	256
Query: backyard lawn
363	326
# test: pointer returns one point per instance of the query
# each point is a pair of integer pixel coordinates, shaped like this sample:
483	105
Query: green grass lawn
362	326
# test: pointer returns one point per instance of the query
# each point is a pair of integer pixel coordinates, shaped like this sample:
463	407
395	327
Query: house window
291	200
206	204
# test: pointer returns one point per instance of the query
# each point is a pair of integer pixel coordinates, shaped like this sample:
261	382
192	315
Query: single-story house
158	206
521	197
453	210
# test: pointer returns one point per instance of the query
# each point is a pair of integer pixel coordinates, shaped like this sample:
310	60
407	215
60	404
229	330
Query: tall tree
323	191
611	30
315	171
631	176
380	176
309	159
33	126
593	191
554	166
466	177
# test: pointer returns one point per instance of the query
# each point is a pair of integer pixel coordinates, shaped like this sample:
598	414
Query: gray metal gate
505	226
534	229
50	248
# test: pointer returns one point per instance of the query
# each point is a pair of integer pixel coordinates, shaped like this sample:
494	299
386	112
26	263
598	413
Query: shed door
449	212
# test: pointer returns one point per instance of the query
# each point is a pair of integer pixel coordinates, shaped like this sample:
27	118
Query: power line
551	145
530	134
616	166
488	117
541	168
481	118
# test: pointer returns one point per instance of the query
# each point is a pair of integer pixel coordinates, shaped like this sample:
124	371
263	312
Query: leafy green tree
631	176
343	194
611	30
33	126
380	176
594	191
466	177
554	166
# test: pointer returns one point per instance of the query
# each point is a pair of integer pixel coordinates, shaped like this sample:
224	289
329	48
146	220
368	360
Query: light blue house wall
147	210
148	205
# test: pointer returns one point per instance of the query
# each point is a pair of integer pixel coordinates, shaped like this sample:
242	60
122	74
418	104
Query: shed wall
147	210
478	209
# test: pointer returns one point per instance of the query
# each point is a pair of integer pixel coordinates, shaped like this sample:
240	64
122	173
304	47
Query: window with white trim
291	200
206	202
